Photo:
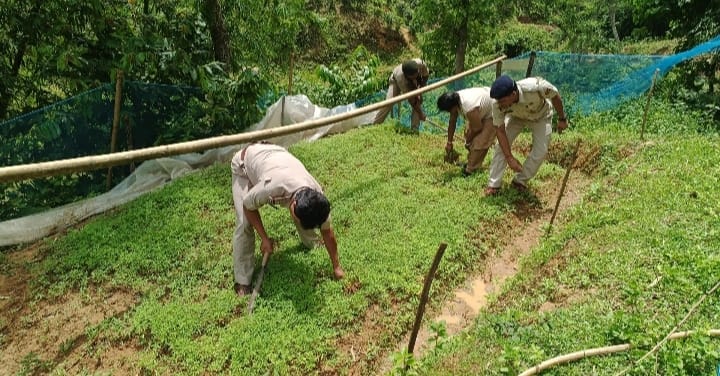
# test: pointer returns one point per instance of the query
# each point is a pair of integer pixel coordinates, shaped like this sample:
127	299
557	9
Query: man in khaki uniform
268	174
475	105
525	103
406	77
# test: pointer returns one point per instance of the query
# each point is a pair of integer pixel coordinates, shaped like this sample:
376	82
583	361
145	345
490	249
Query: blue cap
502	87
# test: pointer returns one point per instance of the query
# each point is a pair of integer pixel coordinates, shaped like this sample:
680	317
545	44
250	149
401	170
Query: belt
244	150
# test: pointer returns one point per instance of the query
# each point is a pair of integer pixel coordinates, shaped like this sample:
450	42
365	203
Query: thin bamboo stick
531	63
116	121
36	170
669	335
647	104
562	187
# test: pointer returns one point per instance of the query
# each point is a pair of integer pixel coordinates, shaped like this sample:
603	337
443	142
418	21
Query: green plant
344	83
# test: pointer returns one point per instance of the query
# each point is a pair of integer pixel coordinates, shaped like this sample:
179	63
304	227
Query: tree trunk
613	23
462	40
220	37
7	85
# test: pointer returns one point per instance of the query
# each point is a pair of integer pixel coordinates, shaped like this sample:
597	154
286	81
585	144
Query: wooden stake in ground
116	121
647	104
562	187
424	297
531	63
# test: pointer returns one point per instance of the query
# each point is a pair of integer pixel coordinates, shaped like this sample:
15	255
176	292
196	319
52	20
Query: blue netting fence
588	83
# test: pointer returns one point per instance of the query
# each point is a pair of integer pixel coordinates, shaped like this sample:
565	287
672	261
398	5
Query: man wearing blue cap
525	103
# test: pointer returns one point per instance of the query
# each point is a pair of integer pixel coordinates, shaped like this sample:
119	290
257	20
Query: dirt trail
502	264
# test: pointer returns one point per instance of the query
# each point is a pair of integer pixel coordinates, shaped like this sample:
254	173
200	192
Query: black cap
502	87
410	67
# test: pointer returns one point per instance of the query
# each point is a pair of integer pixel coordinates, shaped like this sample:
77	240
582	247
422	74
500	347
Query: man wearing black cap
408	76
525	103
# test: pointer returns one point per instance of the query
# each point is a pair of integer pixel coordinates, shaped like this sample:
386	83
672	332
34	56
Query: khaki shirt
405	84
533	102
275	175
476	97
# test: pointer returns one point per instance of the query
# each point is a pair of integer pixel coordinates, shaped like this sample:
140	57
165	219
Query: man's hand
562	124
339	272
451	156
514	164
267	245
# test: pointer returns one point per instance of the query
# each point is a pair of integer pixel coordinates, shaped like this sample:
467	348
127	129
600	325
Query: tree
220	37
447	27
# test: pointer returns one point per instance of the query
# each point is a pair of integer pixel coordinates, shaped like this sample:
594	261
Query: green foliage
696	81
353	79
515	39
33	365
437	20
230	104
583	26
266	33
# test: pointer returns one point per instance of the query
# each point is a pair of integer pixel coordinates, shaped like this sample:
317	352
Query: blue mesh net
588	83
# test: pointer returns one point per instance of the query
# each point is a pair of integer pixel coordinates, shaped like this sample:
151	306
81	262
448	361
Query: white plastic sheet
155	173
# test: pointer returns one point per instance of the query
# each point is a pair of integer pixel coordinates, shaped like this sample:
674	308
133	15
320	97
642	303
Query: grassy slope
394	201
639	251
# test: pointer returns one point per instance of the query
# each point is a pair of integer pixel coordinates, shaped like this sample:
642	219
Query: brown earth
40	335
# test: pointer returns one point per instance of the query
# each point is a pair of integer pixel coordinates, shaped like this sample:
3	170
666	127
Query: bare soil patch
46	333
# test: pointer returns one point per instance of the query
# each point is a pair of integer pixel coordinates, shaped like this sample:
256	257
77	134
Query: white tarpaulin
155	173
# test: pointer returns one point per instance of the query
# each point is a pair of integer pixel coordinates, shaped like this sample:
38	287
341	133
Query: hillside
147	288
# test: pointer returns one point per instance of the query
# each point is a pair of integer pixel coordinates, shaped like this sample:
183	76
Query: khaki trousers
243	241
479	145
541	132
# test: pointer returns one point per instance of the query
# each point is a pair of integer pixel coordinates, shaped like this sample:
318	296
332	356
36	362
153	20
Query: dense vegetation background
336	52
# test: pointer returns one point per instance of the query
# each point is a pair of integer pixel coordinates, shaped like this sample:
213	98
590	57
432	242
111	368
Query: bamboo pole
424	297
647	104
36	170
564	184
531	63
607	350
116	121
